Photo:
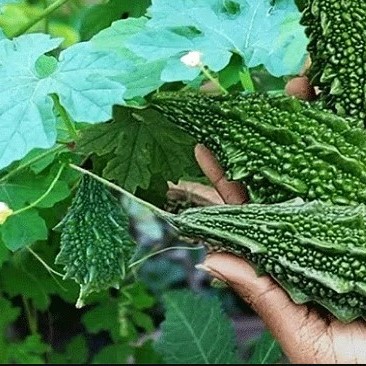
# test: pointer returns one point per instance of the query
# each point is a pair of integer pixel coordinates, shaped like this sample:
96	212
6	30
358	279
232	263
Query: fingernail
204	268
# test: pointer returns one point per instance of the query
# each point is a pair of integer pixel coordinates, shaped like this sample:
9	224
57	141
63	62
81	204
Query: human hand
306	334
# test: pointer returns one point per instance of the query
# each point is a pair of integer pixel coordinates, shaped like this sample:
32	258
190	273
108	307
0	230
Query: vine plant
75	83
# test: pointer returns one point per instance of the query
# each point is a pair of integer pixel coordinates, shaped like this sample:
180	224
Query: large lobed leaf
139	145
258	31
82	78
196	331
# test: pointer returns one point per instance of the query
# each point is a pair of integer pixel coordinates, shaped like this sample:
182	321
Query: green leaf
100	16
29	351
27	187
145	77
24	229
5	2
27	227
267	350
103	316
23	275
196	331
146	354
26	117
143	144
139	296
76	352
142	320
4	253
114	354
250	28
82	79
8	315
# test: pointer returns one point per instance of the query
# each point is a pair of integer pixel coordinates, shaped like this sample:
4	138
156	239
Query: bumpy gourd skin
315	251
95	245
337	45
279	146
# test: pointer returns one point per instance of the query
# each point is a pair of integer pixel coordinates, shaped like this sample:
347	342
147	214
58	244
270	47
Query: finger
300	87
294	326
231	192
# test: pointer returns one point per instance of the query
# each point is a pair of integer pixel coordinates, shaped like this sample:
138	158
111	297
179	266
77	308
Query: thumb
294	326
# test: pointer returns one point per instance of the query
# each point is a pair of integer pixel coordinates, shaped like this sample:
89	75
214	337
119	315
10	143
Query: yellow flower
5	212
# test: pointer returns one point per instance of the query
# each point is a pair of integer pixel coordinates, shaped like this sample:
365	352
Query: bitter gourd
316	251
337	46
280	146
95	244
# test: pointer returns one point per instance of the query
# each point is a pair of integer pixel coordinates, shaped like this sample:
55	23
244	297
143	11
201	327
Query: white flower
192	59
5	212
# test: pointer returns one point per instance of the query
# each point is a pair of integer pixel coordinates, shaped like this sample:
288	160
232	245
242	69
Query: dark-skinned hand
305	334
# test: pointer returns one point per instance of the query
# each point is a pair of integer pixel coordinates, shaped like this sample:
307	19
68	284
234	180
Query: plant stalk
44	195
45	13
159	212
32	161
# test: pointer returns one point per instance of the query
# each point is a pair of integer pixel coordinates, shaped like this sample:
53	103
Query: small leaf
76	352
114	354
24	229
267	350
29	351
103	317
196	331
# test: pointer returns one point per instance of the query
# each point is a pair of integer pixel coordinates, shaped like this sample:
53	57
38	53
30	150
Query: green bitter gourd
315	251
95	244
337	46
280	146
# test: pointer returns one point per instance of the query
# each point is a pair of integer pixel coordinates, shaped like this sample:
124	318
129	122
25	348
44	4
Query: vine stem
31	317
159	212
143	259
44	14
44	195
48	268
213	80
32	161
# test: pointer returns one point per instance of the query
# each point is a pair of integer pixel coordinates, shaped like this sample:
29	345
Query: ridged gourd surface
315	251
337	46
279	146
95	245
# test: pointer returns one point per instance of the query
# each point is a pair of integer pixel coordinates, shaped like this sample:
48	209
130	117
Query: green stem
48	268
161	213
246	80
46	18
65	118
45	13
213	80
32	161
31	319
161	251
44	195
